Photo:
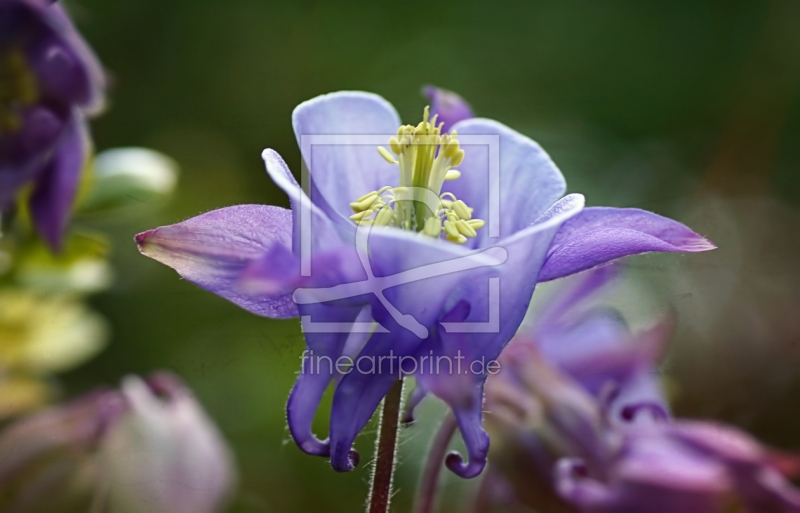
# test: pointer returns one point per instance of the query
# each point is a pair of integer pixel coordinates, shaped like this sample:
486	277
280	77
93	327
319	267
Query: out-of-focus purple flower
47	460
576	437
420	265
450	107
596	348
49	79
148	447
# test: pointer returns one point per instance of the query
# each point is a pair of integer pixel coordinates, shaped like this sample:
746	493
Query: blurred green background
686	108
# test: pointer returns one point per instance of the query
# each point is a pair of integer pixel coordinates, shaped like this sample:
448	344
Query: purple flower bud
148	447
49	79
450	107
165	454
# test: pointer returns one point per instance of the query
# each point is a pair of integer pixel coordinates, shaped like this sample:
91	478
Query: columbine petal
345	168
450	107
56	187
664	477
213	249
359	393
527	181
476	440
599	235
524	251
72	68
24	153
312	229
320	365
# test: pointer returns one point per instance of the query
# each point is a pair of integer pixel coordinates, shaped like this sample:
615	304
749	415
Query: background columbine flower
251	255
49	79
598	438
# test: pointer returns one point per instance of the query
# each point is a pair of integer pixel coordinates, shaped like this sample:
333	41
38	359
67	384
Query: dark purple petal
67	71
415	398
600	234
527	179
355	400
25	153
72	68
320	366
470	424
213	249
56	187
580	289
347	168
450	107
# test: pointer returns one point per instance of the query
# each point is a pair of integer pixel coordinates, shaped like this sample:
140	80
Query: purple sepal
600	234
450	107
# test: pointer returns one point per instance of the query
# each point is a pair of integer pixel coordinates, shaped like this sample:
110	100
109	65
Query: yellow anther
465	229
477	224
388	157
384	217
451	148
457	239
424	155
463	211
433	227
450	228
364	202
453	174
358	216
456	160
365	196
395	145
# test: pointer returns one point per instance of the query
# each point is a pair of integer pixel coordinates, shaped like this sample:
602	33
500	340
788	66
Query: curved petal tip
344	461
468	470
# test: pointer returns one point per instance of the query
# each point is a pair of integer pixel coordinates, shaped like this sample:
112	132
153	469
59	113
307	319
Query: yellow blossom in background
40	335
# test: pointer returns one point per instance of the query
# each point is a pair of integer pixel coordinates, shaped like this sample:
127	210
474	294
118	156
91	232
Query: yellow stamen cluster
17	88
425	158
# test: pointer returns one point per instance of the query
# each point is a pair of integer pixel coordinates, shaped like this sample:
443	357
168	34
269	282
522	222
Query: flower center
18	88
425	158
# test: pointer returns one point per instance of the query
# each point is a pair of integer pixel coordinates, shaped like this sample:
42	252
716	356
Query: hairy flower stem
380	490
428	487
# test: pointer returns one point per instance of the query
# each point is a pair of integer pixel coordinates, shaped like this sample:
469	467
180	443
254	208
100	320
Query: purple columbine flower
399	239
582	424
49	79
